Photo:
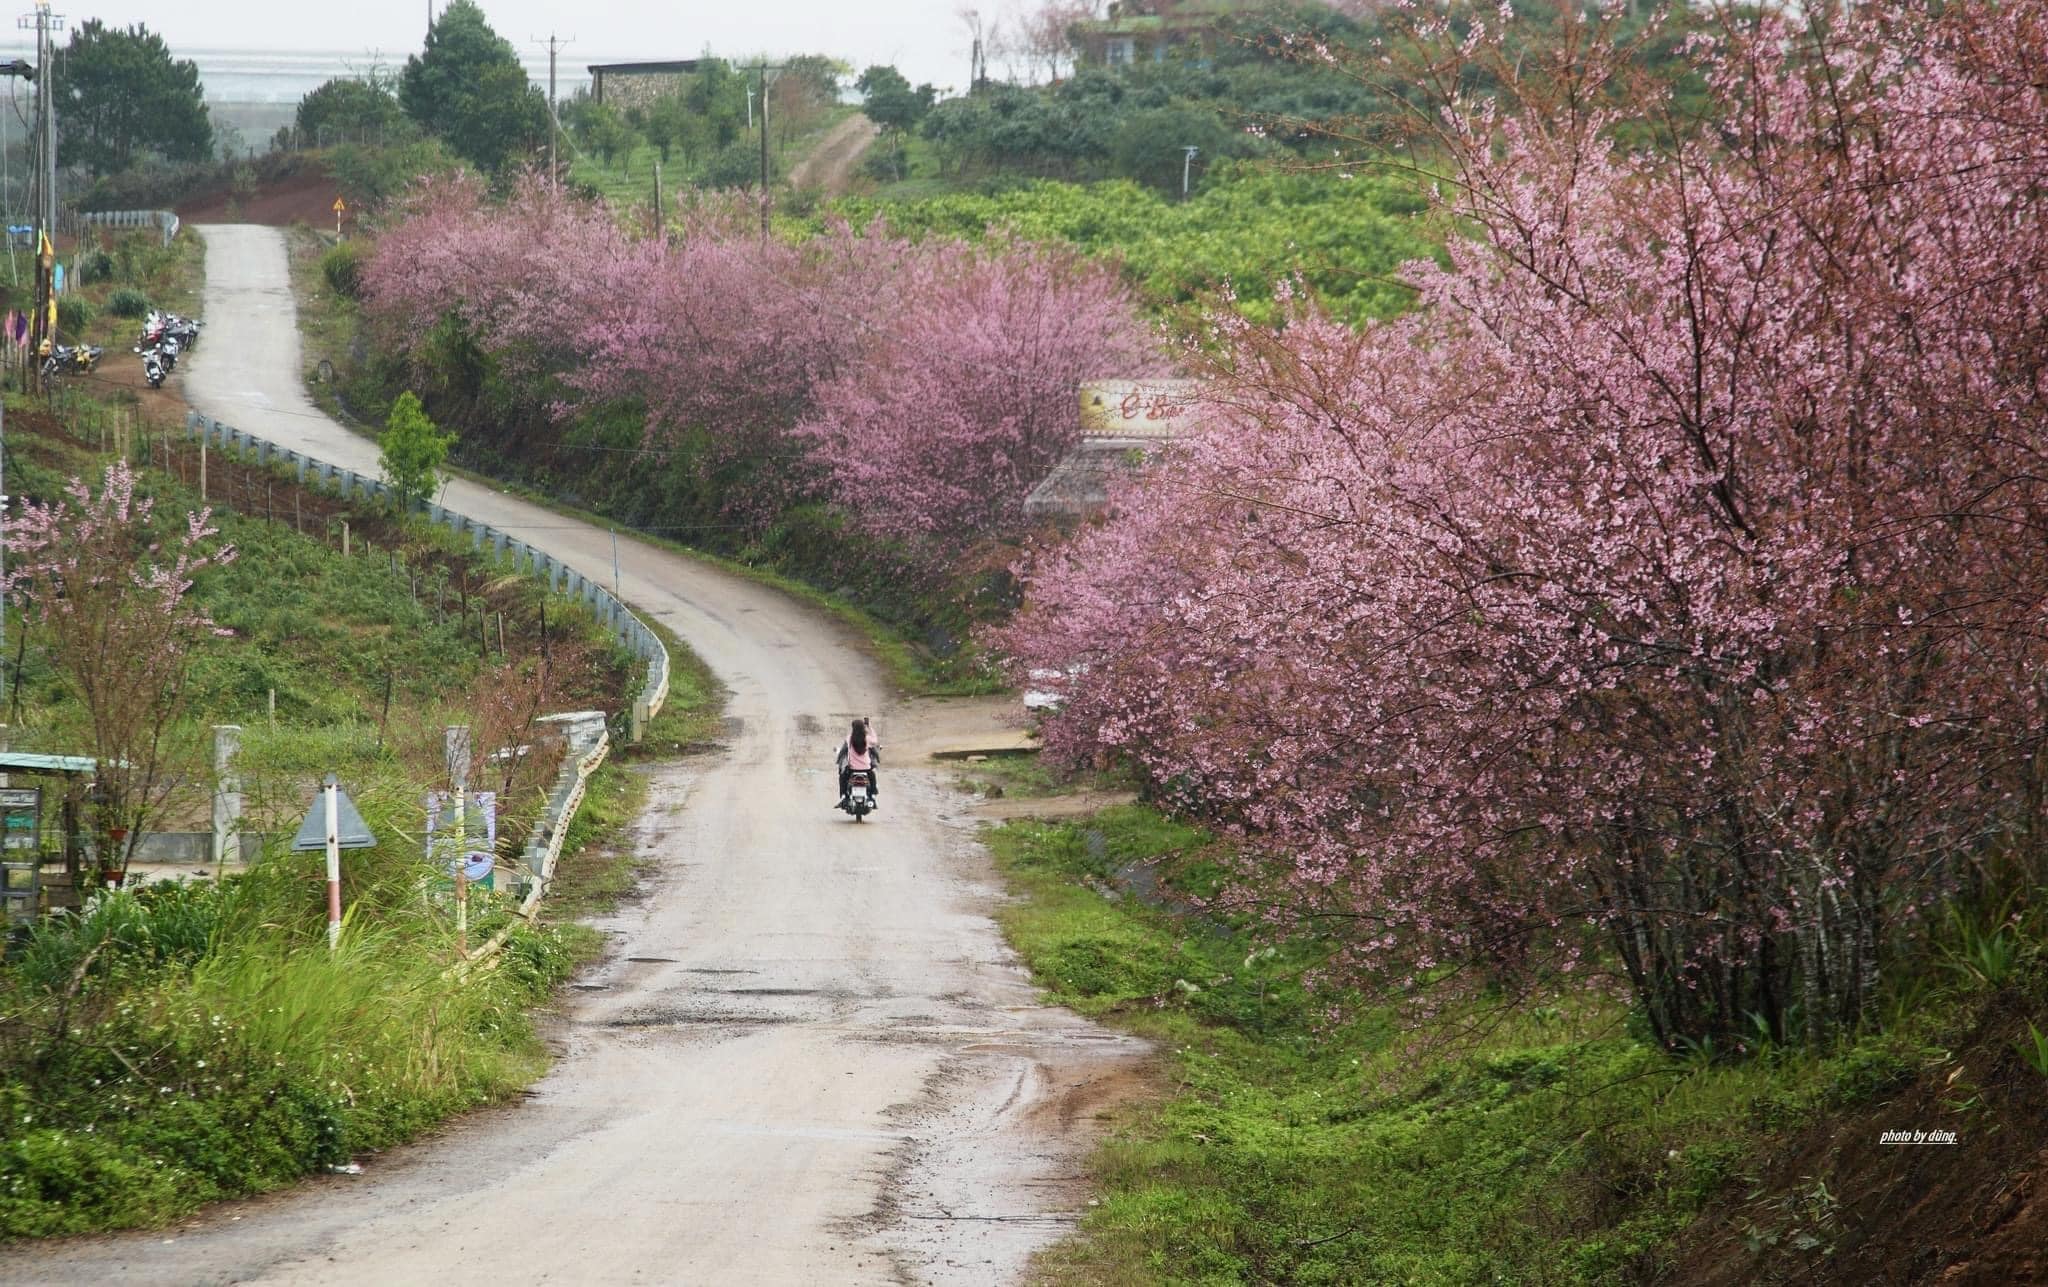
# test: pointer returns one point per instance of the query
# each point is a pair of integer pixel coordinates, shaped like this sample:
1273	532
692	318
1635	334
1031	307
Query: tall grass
173	1045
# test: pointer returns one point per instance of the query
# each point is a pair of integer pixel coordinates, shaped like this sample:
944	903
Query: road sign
351	832
339	205
333	825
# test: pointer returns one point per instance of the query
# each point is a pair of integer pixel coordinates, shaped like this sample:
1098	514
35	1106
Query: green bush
127	301
93	266
343	269
73	316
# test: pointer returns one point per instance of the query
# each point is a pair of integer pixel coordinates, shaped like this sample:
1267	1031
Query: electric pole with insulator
42	322
555	45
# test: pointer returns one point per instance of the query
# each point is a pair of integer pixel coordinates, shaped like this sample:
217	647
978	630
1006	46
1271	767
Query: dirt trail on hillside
830	165
811	1057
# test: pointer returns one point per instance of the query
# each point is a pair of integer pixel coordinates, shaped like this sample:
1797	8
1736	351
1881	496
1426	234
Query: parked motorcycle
71	359
860	794
153	368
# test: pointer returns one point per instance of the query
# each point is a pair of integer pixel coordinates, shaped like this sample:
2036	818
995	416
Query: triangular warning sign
354	832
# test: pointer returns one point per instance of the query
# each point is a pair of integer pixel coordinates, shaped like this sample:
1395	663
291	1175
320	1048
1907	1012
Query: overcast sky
926	38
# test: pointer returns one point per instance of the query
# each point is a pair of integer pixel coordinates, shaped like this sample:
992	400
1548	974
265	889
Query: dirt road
830	164
811	1060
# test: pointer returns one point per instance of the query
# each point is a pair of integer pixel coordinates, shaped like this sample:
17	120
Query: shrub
127	302
94	265
73	315
343	269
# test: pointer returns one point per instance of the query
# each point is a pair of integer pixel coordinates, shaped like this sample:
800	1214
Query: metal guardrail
630	631
165	219
544	846
543	851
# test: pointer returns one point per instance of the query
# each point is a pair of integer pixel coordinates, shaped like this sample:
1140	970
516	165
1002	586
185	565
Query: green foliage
1313	1137
1983	950
163	925
1345	237
890	102
372	175
599	130
2033	1049
1150	146
469	88
94	266
411	452
716	93
258	1062
737	166
348	109
122	97
342	268
128	302
667	123
74	314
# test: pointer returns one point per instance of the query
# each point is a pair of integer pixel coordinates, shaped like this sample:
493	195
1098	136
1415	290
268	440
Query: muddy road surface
810	1058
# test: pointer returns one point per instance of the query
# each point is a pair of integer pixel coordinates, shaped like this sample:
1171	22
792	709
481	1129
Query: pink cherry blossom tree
1664	596
926	386
965	394
104	595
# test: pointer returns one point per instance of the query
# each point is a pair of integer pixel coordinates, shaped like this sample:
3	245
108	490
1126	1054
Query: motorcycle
185	331
153	368
860	794
71	359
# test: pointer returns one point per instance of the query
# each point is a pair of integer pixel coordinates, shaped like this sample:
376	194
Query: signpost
333	824
340	209
21	811
455	746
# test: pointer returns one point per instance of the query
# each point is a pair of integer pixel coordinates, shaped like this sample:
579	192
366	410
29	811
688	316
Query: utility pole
3	550
764	152
554	122
40	324
763	68
47	25
27	72
1187	163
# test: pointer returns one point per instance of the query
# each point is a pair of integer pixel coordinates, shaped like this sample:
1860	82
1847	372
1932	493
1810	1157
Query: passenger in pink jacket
860	751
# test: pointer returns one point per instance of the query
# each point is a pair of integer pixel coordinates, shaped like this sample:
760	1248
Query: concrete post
227	792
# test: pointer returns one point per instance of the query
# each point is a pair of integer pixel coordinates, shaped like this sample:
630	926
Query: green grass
696	703
180	1044
322	631
1033	777
1311	1136
629	180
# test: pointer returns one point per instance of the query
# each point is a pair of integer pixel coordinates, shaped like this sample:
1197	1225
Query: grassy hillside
1314	1136
188	1041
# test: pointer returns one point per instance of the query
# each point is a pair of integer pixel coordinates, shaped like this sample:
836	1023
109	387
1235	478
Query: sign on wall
1138	408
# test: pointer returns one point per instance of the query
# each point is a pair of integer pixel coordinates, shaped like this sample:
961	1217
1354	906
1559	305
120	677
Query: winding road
811	1057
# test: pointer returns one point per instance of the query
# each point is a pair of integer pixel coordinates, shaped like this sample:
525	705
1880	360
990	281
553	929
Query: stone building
1151	31
624	86
1123	422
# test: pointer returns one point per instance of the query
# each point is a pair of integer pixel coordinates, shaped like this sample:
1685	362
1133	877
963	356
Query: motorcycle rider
860	750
